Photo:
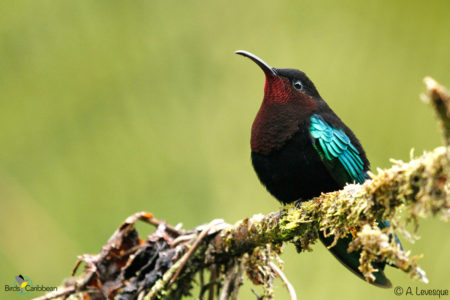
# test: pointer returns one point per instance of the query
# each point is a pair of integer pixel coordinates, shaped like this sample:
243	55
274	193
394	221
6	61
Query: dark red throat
280	114
276	89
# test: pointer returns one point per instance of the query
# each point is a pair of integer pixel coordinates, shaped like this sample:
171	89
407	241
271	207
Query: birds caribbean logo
300	148
22	282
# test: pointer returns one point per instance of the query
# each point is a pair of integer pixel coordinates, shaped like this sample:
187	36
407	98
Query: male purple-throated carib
300	148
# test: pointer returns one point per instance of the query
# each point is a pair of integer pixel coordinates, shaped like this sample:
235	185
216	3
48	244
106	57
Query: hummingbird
300	148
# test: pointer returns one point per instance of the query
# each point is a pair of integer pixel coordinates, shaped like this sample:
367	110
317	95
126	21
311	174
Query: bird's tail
351	260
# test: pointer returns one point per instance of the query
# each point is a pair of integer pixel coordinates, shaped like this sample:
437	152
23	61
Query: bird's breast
273	126
293	171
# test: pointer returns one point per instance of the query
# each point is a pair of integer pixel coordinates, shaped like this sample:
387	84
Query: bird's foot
282	213
298	203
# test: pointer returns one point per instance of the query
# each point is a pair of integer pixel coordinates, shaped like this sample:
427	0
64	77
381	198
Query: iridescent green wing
344	163
336	151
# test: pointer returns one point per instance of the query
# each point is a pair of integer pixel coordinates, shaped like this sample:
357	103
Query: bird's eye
298	85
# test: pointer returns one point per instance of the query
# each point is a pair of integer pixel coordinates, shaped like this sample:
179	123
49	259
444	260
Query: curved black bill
262	64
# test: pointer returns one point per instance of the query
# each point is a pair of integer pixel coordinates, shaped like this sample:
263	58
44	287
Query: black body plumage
296	172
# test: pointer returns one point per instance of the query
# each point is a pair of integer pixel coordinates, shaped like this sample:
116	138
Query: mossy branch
167	261
439	98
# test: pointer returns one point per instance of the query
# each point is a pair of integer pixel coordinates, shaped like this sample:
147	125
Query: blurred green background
112	107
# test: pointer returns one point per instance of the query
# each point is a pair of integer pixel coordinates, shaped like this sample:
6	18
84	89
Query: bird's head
289	98
285	85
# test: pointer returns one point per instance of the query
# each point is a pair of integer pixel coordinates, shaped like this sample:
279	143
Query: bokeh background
112	107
